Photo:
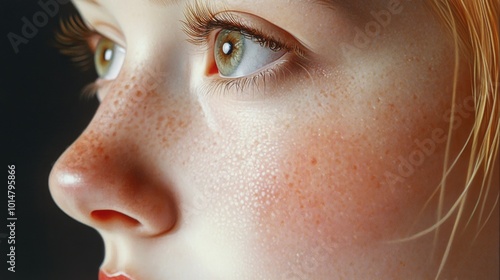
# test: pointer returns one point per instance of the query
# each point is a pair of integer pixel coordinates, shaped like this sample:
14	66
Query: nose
106	180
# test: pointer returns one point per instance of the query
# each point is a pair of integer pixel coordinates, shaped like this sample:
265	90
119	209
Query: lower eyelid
264	68
212	70
259	84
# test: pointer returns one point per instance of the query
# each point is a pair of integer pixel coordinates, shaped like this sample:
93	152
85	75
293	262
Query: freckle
99	149
115	103
355	167
106	158
127	86
170	121
138	93
314	161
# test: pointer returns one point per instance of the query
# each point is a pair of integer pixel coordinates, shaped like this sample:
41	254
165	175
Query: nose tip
111	191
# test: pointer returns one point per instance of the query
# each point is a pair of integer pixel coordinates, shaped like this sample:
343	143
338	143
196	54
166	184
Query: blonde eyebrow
156	2
333	4
327	3
164	2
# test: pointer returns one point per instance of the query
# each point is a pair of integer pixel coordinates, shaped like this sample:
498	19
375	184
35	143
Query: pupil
227	48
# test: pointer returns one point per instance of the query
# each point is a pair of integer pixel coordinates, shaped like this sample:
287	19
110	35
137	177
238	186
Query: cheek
339	192
333	191
324	207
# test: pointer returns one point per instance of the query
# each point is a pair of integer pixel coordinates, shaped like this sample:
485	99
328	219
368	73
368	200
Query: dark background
43	114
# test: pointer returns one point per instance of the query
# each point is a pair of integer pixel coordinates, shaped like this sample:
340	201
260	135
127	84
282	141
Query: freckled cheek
333	191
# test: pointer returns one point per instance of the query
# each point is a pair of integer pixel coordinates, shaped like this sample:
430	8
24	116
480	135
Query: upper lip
115	276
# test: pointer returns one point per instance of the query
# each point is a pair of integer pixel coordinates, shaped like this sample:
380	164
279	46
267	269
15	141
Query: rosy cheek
332	193
330	189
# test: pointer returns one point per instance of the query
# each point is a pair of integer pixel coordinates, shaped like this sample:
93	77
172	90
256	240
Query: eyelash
73	37
202	21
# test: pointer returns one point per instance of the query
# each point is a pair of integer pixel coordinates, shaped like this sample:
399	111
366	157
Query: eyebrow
157	2
327	3
164	2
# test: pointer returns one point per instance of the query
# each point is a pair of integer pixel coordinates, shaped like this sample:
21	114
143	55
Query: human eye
242	50
89	49
237	55
108	59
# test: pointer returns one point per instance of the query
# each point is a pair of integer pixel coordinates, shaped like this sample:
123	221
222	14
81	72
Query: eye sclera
202	27
113	37
108	51
237	54
254	30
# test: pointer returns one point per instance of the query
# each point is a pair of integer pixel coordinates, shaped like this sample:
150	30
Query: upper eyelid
101	20
110	32
198	38
201	19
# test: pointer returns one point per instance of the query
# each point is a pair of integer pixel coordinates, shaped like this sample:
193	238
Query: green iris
229	50
103	57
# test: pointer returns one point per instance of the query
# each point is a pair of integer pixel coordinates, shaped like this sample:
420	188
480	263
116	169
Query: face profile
285	140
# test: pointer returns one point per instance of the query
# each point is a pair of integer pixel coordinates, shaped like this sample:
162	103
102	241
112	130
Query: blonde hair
473	26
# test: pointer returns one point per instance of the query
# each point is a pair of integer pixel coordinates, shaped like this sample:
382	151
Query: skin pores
310	178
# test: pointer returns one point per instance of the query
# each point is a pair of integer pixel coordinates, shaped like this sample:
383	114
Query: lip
116	276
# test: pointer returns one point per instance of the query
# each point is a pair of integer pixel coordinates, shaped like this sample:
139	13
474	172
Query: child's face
306	171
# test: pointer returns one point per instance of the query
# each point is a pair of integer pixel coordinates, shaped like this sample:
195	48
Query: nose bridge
104	179
124	99
108	178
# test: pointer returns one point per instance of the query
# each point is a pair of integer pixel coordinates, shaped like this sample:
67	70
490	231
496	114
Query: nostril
111	216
